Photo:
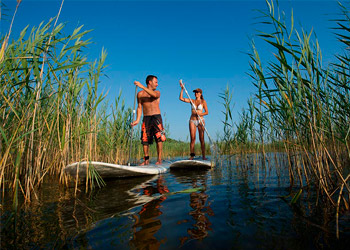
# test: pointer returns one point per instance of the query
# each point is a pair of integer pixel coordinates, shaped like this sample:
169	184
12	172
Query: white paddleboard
192	164
109	170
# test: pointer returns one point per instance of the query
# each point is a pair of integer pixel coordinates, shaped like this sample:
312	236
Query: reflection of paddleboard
137	198
118	196
191	164
108	170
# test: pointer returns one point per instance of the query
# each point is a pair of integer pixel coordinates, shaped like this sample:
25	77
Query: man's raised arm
154	94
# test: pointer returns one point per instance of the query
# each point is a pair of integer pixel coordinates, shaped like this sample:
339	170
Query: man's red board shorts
152	126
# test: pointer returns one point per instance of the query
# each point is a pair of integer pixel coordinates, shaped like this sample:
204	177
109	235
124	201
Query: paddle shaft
132	127
200	119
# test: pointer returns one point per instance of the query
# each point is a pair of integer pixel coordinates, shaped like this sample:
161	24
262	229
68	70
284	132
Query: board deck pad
191	164
109	170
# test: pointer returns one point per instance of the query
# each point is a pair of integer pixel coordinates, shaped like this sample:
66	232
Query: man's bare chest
148	100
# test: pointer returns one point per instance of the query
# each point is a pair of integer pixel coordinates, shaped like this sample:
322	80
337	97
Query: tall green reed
53	113
228	136
301	104
50	107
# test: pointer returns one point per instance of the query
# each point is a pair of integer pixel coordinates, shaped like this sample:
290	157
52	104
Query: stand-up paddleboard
191	164
109	170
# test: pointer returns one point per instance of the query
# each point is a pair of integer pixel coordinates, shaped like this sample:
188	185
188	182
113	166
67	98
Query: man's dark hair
150	78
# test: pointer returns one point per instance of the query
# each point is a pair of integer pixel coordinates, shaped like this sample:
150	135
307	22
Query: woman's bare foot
158	162
205	158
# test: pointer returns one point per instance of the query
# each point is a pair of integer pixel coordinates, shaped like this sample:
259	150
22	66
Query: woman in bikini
198	110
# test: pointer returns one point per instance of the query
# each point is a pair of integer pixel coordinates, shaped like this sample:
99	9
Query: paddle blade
214	150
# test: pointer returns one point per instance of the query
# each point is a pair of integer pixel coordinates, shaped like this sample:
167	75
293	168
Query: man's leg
146	154
159	151
145	139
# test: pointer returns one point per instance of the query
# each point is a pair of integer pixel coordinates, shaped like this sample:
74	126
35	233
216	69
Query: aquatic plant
52	112
301	104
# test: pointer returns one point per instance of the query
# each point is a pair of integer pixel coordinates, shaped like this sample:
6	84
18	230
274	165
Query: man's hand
138	84
134	123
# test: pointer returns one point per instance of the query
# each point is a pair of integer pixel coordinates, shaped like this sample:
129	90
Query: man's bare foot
144	163
158	162
205	158
192	155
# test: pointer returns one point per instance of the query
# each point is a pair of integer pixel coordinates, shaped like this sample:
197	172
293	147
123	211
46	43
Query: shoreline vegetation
52	112
300	107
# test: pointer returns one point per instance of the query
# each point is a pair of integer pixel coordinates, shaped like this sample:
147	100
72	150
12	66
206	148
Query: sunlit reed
300	107
53	113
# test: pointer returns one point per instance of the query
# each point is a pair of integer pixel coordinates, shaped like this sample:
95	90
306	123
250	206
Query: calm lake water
229	207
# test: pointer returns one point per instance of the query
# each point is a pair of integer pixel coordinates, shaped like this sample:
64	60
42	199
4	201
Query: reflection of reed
60	220
147	222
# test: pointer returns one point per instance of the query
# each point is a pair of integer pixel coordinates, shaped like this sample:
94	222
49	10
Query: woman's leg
201	139
193	129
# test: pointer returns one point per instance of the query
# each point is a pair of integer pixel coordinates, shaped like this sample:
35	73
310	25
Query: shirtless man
152	126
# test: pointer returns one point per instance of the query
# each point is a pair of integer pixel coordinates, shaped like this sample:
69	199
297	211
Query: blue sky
202	42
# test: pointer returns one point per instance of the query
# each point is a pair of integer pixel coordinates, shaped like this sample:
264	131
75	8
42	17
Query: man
148	103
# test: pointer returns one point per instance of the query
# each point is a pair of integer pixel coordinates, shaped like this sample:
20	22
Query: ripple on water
224	208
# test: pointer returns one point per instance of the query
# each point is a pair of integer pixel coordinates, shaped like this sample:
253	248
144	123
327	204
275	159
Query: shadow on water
244	207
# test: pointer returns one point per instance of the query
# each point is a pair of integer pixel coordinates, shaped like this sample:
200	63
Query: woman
198	110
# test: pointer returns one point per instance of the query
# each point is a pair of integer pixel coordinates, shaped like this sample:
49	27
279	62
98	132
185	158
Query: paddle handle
132	127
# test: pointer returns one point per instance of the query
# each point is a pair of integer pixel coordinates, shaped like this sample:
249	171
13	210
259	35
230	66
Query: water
228	207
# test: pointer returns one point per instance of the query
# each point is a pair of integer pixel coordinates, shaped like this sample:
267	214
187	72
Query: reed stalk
50	108
300	103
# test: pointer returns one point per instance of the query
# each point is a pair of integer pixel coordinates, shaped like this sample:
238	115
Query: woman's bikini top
199	107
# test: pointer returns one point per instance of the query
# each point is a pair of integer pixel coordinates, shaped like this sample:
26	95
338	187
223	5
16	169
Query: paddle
185	191
213	148
132	127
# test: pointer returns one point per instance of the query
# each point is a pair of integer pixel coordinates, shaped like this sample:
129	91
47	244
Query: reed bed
300	107
53	113
48	105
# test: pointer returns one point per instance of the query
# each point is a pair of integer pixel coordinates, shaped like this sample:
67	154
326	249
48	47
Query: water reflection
199	203
57	216
201	208
116	197
147	222
140	213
